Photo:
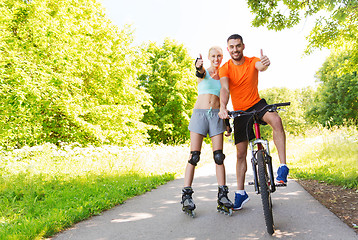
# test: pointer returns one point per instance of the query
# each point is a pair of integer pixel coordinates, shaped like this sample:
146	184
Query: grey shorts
206	121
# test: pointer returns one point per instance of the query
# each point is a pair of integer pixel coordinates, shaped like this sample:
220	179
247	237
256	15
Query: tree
336	101
67	74
340	26
171	84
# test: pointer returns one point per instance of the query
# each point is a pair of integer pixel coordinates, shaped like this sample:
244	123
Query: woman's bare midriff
207	101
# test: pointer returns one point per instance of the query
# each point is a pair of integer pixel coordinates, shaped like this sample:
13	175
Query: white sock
241	192
283	165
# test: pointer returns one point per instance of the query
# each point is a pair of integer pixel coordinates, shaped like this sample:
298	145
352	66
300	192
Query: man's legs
279	138
241	196
241	165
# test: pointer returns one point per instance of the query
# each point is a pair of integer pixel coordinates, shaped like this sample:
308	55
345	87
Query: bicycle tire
265	192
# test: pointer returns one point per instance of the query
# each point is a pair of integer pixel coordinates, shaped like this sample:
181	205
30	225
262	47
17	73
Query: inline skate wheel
230	212
191	213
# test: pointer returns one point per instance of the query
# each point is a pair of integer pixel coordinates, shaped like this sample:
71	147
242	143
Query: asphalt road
158	215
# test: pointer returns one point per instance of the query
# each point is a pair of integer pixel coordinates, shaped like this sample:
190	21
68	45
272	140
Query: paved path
157	215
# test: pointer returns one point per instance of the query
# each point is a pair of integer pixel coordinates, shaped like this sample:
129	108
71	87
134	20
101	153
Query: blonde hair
215	48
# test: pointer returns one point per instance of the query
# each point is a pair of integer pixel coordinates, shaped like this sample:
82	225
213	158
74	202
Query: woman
205	120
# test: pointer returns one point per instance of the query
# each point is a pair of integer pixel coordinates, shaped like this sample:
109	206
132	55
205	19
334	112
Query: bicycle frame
263	145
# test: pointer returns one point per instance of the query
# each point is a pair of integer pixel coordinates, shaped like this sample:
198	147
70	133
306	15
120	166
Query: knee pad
219	157
195	157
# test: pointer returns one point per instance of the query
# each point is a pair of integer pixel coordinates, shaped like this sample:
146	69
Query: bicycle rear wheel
265	192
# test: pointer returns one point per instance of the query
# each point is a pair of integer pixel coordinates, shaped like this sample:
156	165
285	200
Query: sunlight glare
130	217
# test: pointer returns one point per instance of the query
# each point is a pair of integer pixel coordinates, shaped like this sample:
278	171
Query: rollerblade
224	204
187	201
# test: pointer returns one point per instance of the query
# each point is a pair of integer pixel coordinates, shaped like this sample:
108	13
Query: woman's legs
224	203
217	142
196	141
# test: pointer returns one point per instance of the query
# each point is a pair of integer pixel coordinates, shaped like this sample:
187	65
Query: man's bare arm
224	97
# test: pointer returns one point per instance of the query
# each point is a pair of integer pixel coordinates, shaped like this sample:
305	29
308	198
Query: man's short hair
235	36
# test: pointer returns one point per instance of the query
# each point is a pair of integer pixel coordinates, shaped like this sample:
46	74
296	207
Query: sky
201	24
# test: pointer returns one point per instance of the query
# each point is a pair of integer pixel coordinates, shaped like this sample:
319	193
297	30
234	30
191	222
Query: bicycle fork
264	146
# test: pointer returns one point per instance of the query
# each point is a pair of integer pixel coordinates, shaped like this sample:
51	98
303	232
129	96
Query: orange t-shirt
243	81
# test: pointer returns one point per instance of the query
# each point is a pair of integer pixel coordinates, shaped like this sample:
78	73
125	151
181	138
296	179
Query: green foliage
67	74
170	82
293	116
281	14
340	26
330	31
267	14
336	101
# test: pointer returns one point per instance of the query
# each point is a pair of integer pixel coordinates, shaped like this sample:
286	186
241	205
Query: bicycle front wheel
265	191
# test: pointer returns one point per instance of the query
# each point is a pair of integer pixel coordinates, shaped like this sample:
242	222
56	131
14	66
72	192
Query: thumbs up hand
264	59
199	62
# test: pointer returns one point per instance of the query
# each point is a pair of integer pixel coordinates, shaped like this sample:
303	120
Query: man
239	77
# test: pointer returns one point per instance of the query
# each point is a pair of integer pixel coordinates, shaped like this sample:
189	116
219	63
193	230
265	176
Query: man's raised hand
264	59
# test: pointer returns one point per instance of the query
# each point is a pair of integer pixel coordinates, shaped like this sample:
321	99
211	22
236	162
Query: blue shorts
206	121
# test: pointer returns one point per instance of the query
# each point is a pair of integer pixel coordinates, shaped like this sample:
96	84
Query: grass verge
325	155
45	189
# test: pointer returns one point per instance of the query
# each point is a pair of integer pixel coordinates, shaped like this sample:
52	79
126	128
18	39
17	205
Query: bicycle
261	160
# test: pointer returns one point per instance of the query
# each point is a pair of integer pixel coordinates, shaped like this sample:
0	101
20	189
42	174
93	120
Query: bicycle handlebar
271	108
282	104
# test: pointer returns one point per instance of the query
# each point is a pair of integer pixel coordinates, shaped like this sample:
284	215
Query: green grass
42	207
46	189
325	155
